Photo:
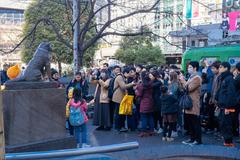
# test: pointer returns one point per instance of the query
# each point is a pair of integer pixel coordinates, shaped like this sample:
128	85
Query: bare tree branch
44	20
69	4
125	34
92	14
99	34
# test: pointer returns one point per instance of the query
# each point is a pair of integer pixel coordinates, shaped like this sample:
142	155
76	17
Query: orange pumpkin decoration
13	71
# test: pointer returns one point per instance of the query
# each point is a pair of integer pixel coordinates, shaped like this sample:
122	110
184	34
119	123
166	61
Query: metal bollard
72	152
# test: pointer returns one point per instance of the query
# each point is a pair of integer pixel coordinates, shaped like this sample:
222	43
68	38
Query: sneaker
84	145
123	130
164	138
188	142
174	134
170	139
160	131
196	143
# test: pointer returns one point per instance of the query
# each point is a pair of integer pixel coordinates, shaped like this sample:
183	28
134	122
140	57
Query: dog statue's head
45	46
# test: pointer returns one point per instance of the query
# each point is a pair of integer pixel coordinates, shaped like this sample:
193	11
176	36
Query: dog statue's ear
46	46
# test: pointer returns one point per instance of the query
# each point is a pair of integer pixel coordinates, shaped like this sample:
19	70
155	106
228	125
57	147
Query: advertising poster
230	15
192	9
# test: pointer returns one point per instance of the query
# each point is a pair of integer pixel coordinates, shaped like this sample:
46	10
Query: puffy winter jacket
226	96
169	104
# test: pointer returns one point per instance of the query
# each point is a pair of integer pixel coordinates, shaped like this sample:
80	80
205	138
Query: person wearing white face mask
192	116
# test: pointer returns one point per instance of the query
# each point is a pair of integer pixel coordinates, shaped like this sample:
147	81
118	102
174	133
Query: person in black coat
169	109
237	82
79	82
226	101
237	86
3	74
154	75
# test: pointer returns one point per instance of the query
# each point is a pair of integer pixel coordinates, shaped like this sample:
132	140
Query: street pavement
149	147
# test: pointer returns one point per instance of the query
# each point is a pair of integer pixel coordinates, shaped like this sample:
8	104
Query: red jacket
146	104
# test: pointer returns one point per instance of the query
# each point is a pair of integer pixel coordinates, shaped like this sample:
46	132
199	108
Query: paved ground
149	148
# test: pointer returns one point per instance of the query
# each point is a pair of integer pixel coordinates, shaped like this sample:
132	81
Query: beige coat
121	86
194	87
104	90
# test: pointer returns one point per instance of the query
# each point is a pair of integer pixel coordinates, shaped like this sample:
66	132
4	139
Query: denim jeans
80	133
147	119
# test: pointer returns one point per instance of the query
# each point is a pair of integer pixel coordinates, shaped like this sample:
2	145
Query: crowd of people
214	91
156	92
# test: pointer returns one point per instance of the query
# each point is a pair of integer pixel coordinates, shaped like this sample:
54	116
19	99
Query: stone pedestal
30	85
33	115
2	143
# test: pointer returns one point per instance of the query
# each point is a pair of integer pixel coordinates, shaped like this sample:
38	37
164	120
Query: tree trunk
76	28
81	58
59	68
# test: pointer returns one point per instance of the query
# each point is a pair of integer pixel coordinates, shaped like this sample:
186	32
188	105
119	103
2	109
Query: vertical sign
2	141
195	9
188	9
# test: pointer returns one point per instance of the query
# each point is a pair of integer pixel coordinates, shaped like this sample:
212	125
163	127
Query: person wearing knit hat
54	75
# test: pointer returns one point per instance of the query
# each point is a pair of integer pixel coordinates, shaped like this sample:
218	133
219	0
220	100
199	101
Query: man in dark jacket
226	100
237	86
4	76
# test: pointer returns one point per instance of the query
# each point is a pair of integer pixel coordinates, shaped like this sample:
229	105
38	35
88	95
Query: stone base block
22	85
33	115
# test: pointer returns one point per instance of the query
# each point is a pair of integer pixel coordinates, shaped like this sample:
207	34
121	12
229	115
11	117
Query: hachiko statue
38	65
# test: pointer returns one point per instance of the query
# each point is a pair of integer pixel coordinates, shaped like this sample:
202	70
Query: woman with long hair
156	84
102	117
144	91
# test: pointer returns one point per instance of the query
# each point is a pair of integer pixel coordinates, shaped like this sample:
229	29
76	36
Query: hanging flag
188	9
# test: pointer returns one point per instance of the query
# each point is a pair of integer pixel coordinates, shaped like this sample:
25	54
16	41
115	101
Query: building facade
11	21
170	17
110	44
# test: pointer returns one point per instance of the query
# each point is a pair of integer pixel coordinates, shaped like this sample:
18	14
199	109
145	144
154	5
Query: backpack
76	116
111	88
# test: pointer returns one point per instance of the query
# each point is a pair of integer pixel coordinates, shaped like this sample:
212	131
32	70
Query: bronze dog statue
38	65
